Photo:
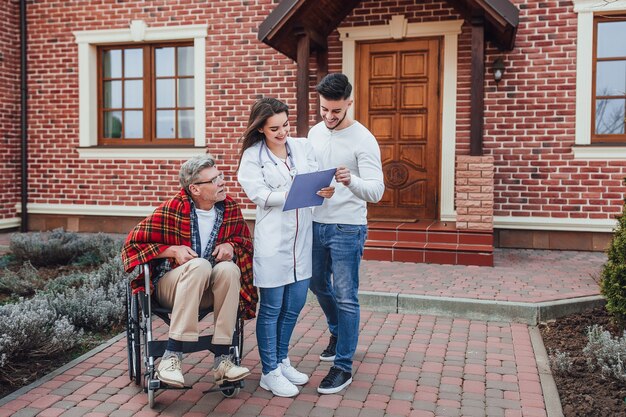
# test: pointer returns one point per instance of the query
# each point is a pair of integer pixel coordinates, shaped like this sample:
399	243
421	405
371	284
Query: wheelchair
143	350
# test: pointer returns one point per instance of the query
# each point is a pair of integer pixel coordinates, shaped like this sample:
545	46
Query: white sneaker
170	372
292	374
279	385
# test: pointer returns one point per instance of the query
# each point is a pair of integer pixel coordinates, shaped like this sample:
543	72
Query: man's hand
223	252
182	254
326	192
342	175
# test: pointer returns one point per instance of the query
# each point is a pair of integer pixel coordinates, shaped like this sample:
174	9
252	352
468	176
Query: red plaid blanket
170	225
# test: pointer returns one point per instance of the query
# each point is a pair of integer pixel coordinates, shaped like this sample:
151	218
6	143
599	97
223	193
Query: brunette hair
334	87
260	111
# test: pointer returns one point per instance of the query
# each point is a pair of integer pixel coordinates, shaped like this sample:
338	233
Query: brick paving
519	275
408	365
405	365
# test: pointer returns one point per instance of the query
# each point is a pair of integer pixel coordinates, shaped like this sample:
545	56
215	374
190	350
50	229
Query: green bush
59	247
21	283
606	353
613	280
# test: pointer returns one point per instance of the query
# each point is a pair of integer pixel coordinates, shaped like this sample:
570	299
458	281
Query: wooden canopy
318	18
297	28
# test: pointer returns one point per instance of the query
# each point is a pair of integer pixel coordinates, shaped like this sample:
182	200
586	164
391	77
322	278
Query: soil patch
583	393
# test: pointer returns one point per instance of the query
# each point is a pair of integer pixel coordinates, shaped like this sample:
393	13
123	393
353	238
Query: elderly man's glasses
219	177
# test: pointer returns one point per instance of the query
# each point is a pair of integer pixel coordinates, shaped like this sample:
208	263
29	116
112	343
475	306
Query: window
146	95
609	80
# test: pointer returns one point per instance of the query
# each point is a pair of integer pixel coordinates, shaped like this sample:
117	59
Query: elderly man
200	253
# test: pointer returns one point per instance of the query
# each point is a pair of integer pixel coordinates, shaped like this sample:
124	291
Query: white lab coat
283	240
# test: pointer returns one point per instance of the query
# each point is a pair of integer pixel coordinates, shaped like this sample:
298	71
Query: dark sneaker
328	355
335	381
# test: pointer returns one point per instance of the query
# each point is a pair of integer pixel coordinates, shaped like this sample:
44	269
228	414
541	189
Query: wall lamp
498	69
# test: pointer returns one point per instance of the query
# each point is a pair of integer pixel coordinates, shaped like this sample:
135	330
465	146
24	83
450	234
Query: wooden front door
397	98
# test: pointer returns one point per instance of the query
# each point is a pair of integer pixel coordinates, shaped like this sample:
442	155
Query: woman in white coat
283	240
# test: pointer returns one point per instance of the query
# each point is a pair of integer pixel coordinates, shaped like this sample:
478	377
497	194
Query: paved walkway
406	364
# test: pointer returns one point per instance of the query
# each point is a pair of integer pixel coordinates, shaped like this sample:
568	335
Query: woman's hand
326	192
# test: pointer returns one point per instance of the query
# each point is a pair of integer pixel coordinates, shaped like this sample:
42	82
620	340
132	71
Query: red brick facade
529	123
9	111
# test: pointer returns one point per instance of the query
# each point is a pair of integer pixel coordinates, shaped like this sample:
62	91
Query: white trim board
547	223
96	210
399	28
10	223
165	154
87	210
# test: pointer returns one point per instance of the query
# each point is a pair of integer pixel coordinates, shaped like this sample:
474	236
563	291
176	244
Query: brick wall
474	192
9	109
530	125
239	70
529	115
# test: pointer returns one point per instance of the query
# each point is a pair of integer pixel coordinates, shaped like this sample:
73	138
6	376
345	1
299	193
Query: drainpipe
23	118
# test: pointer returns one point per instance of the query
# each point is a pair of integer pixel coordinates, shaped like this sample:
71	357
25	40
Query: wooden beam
322	70
477	90
302	84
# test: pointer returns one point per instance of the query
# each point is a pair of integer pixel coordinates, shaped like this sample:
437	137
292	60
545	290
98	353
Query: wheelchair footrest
226	386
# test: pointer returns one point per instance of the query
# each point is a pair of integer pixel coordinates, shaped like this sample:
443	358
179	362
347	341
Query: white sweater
357	149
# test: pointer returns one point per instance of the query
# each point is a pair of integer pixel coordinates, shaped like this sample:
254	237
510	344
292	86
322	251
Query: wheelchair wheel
133	337
228	390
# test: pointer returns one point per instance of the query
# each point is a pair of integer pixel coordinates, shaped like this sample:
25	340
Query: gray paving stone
503	385
347	412
319	412
99	397
65	404
356	393
407	396
300	408
371	412
447	411
503	403
473	411
106	408
253	409
76	412
495	412
494	393
424	405
94	371
27	412
114	373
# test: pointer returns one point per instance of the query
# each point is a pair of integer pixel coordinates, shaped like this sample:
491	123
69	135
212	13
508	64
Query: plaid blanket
170	225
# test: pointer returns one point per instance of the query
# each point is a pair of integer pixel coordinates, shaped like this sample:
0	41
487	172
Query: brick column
474	193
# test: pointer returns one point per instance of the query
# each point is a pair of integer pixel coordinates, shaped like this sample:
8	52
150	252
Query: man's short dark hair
334	87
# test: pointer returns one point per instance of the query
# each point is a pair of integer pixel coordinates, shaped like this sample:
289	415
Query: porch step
428	242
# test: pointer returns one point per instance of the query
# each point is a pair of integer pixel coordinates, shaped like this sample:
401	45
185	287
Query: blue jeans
278	311
337	250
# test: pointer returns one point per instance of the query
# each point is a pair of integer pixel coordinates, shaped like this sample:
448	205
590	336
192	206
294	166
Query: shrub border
49	376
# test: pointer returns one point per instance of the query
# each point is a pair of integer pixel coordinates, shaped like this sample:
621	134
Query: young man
200	253
340	224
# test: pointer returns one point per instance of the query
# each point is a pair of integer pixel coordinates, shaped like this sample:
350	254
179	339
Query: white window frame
88	42
583	148
399	28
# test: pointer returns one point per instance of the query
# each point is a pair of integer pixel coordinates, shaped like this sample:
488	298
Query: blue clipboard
304	187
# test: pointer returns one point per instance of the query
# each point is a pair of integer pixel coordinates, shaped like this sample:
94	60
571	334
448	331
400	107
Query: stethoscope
292	170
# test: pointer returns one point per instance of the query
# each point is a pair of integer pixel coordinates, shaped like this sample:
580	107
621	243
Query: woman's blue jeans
337	250
278	311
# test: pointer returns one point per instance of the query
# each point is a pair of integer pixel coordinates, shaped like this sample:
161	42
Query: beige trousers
195	285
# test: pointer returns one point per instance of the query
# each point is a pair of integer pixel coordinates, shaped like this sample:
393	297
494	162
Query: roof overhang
318	18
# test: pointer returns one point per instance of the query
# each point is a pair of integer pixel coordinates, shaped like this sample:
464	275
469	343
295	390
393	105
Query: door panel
397	98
